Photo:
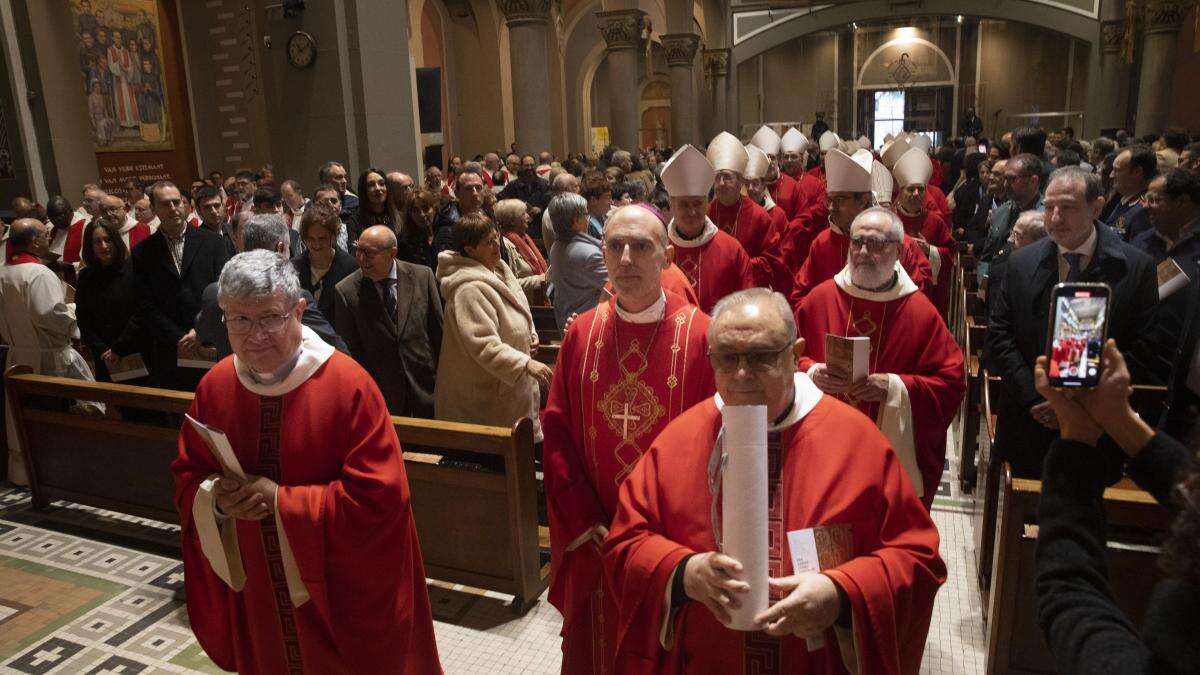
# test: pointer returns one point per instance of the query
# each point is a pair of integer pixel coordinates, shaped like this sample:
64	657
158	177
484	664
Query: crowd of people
752	271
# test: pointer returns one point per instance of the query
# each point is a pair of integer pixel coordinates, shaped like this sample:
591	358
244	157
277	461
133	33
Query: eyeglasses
272	323
873	245
368	252
758	361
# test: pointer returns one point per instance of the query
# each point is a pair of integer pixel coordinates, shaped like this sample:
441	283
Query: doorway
889	111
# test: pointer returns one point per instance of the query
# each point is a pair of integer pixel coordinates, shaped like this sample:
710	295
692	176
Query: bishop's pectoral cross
626	418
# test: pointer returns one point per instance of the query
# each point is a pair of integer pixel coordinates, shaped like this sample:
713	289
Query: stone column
528	24
681	49
1162	21
1112	107
622	31
716	72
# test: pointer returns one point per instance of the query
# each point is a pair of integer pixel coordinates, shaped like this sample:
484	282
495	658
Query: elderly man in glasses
300	551
910	377
830	476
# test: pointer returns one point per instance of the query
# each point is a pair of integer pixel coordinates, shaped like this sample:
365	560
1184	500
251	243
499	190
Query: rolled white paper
744	506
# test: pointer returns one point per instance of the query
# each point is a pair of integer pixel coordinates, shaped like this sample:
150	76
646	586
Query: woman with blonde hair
524	256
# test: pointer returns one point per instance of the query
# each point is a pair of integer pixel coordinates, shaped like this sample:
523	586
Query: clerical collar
884	287
651	314
805	397
837	229
705	236
313	354
279	374
767	202
903	287
900	208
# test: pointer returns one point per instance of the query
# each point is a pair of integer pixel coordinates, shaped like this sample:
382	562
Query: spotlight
960	18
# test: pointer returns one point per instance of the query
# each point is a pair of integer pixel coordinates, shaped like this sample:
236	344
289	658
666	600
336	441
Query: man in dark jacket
1078	248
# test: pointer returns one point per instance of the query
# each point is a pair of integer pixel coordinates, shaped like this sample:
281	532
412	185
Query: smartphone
1078	328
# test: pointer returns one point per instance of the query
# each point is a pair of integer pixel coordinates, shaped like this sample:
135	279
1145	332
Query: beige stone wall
796	78
1023	68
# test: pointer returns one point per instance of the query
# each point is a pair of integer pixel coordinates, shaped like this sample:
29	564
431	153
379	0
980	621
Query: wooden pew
1137	525
545	324
475	528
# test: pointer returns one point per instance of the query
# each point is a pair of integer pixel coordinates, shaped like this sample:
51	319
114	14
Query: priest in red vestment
849	195
831	478
735	213
934	199
781	186
299	548
756	189
713	261
626	368
809	184
913	379
928	229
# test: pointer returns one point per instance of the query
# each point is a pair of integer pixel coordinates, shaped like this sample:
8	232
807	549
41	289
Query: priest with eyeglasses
830	476
299	547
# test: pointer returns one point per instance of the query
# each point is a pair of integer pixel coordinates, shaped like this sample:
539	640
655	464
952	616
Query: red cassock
73	246
812	192
830	468
909	339
827	257
715	268
785	194
936	202
934	230
751	226
343	501
615	387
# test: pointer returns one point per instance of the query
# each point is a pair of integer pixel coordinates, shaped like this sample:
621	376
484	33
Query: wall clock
301	49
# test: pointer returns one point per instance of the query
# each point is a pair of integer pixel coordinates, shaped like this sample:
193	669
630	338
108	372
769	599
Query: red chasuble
751	226
73	246
827	257
785	194
936	233
715	268
812	192
616	385
909	339
832	467
936	202
343	503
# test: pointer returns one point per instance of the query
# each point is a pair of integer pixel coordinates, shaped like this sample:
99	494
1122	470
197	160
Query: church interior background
407	83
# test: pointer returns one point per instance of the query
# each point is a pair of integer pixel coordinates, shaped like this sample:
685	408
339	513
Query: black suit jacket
168	300
210	329
1018	325
402	355
342	266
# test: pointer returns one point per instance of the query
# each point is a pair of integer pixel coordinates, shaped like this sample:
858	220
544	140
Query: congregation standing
681	282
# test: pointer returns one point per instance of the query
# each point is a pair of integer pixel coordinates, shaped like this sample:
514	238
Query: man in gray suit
390	314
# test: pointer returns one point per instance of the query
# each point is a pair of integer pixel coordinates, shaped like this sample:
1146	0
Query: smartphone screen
1079	314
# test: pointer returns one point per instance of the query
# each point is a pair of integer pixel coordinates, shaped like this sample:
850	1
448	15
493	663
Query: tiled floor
74	604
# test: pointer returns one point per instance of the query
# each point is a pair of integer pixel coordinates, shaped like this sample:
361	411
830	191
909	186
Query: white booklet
218	443
128	368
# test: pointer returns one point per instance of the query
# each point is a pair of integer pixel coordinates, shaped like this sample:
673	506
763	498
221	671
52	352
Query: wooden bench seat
476	528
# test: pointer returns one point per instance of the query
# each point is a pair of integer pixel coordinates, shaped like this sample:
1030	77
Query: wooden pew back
476	528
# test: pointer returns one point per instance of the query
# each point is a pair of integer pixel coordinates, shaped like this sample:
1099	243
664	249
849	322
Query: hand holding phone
1078	328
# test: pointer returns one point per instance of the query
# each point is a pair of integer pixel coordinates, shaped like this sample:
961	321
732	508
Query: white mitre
726	153
844	173
758	164
766	140
864	142
881	183
913	168
793	141
687	173
921	142
891	153
828	141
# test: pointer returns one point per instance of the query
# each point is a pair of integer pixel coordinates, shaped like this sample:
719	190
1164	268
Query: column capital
1112	36
716	63
1165	16
621	28
525	11
680	48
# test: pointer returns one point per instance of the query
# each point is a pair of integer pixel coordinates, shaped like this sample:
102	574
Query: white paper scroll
744	505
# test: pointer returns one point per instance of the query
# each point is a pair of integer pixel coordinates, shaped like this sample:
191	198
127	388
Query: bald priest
831	475
299	548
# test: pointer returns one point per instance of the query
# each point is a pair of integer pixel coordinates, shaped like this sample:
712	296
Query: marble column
1112	104
528	24
680	49
1162	21
716	73
622	31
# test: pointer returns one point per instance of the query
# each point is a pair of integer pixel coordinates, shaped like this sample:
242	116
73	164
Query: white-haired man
626	368
830	475
913	379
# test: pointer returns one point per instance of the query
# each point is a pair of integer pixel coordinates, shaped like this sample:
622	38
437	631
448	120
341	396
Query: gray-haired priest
300	552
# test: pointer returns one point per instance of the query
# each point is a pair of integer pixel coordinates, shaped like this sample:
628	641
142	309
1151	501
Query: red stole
616	386
23	258
528	250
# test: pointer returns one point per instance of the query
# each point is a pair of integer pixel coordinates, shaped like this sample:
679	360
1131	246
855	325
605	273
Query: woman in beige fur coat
486	374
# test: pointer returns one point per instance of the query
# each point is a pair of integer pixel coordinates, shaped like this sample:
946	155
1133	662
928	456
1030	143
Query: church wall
797	81
1023	68
478	121
14	171
1185	113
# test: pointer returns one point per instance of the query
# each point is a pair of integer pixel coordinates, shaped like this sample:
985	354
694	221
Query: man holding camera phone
1077	249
